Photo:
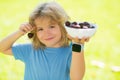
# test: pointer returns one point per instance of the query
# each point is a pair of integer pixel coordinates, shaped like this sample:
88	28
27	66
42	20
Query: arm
77	69
6	43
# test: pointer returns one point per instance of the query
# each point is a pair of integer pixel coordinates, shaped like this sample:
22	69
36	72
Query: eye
40	29
52	26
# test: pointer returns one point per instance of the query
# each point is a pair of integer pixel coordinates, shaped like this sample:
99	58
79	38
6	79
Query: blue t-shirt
47	64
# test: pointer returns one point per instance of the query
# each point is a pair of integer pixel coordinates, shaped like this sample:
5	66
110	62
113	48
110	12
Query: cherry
30	35
67	23
86	24
81	25
75	23
74	26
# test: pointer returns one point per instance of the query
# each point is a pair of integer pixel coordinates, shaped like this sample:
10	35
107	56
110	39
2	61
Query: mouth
47	39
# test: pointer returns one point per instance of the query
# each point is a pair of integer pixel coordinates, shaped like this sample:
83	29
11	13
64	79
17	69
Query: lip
49	38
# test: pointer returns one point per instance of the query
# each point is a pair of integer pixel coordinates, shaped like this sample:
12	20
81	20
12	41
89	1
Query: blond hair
56	13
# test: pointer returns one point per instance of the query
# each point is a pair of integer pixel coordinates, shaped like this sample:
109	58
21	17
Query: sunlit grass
104	45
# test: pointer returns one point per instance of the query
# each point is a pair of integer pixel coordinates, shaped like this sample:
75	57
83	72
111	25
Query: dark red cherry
81	25
86	24
67	23
75	23
30	35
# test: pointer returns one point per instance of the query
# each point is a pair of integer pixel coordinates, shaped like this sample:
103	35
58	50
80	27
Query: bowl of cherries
80	29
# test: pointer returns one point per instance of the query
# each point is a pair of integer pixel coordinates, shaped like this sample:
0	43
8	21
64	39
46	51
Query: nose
46	31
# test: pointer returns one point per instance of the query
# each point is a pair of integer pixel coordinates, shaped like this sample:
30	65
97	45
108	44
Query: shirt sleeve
21	51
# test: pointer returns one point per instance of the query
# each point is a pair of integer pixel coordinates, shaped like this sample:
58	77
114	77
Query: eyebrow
39	27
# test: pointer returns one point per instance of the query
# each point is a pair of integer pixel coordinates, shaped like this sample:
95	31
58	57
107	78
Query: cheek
59	33
39	35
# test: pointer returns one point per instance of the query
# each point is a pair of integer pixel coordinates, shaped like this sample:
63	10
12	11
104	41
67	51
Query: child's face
48	32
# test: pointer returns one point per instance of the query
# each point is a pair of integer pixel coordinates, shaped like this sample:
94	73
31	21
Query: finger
76	39
25	28
87	39
22	28
82	40
28	27
69	36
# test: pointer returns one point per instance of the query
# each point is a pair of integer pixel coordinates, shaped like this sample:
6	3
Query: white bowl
80	33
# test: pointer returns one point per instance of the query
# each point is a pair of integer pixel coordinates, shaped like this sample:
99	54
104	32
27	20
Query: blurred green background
101	52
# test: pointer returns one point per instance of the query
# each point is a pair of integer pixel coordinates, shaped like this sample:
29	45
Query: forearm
77	66
77	69
7	42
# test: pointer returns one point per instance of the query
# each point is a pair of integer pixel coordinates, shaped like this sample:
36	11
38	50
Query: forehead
44	21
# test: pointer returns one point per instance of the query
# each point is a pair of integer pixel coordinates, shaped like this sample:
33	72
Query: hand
77	40
25	28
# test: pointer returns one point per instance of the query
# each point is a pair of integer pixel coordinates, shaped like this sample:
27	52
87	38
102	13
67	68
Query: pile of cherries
82	25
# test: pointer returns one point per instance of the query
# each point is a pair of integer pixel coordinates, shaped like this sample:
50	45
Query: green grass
103	46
